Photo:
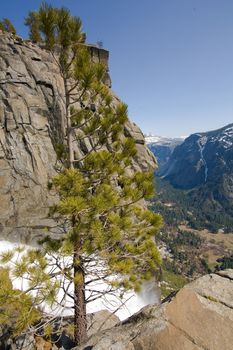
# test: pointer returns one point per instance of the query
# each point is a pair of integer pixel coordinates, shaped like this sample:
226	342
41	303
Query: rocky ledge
198	317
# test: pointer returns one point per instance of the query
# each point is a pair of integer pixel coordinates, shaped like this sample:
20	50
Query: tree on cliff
62	35
7	26
104	225
33	22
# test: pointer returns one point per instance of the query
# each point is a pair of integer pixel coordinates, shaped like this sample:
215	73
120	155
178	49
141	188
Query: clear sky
171	61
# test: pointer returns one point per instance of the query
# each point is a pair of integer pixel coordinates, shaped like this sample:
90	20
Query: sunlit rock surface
199	317
31	123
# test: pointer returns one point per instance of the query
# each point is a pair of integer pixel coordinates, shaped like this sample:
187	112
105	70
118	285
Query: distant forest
194	208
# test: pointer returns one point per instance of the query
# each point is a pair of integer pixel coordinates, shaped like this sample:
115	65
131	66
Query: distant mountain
202	166
202	158
162	148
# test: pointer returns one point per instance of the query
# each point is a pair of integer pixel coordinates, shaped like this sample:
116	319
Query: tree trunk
80	316
69	128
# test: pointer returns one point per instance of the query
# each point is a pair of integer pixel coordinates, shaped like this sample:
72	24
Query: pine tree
16	307
32	21
7	26
106	228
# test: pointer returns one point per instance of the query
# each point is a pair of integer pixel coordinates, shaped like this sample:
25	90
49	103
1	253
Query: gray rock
31	123
101	320
199	317
228	273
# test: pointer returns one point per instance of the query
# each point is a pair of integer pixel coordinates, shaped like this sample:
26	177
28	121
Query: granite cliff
31	124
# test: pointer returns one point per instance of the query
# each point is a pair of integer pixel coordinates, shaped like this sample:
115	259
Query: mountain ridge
201	168
162	147
202	152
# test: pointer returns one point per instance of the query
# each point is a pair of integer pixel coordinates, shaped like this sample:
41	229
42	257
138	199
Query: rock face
31	124
199	317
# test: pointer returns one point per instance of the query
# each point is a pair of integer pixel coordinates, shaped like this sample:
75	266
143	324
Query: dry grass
216	244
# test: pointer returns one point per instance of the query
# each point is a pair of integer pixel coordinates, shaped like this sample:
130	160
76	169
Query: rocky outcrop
31	124
199	317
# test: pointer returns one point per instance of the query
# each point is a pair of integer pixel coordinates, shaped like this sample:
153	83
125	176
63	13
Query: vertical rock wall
31	123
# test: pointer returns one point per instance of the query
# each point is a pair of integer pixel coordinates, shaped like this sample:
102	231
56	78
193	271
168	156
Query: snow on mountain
225	137
162	147
163	140
203	158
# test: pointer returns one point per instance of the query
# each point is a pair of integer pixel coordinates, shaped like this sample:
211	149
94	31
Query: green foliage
171	282
226	262
187	253
186	238
105	228
55	26
47	19
7	26
16	308
33	22
197	208
60	151
107	218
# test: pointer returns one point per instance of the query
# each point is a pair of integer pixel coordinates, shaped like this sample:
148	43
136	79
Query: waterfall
201	145
132	301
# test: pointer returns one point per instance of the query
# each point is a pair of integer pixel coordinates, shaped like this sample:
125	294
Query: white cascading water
201	145
133	302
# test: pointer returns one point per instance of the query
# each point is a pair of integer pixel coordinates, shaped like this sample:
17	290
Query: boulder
198	317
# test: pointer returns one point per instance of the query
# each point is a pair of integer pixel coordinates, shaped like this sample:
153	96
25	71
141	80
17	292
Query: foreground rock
200	316
31	126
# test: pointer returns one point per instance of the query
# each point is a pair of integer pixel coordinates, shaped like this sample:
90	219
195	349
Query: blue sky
171	61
